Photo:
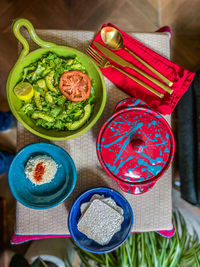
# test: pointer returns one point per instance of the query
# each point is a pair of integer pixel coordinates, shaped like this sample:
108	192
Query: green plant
151	250
18	260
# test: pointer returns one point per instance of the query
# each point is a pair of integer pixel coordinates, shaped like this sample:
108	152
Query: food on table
109	201
40	169
24	91
48	106
75	85
77	124
101	219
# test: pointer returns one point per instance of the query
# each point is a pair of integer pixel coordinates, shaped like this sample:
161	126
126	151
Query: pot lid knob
137	143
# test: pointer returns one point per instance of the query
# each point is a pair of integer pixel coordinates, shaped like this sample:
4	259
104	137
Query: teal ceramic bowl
47	195
27	58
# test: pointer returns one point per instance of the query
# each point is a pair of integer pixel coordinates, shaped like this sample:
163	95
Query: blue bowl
46	195
118	239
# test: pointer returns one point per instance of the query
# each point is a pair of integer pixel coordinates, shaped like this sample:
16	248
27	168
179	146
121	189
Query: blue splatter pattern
136	145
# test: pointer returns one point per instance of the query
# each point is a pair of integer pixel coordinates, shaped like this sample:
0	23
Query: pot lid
136	145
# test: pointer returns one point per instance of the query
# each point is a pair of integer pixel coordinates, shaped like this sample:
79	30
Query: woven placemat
152	211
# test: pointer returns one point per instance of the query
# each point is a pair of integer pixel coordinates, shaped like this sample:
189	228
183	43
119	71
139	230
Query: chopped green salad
43	101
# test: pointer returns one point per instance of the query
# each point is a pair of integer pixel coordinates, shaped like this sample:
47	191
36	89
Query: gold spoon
114	40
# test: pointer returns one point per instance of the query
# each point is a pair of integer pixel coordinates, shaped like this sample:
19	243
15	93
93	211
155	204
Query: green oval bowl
64	51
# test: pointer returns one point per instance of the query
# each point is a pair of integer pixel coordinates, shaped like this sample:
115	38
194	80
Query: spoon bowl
112	38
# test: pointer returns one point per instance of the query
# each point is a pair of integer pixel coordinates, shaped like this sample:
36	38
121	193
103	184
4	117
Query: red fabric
180	77
165	29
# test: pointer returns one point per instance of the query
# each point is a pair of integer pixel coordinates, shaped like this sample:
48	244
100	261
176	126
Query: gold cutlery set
113	39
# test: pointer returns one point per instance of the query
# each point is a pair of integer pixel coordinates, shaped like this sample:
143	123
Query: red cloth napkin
180	77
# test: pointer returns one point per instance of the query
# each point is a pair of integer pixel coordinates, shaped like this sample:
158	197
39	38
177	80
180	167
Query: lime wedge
24	91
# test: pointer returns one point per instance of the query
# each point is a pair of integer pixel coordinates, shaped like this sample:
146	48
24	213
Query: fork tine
93	51
99	62
96	57
100	58
93	56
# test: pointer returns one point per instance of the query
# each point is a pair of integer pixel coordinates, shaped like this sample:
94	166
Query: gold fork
105	63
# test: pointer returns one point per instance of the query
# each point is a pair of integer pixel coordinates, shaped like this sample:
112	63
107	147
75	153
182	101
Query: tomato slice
75	85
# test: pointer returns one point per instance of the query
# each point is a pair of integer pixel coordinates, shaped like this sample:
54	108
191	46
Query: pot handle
16	25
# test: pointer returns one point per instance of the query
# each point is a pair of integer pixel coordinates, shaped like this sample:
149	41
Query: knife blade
111	55
119	60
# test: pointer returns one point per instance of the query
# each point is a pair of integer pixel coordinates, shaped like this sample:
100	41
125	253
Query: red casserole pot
135	146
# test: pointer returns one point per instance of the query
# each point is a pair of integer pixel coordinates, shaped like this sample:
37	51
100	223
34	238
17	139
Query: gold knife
119	60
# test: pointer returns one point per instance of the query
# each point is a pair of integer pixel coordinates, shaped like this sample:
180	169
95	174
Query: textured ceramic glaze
26	58
135	146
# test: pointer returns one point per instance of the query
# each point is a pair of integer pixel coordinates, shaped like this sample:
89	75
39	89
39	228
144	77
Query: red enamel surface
135	146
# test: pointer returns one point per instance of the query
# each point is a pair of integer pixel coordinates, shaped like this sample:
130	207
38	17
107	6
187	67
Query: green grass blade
93	257
125	258
172	244
112	259
107	260
143	260
133	252
187	244
130	263
84	261
155	259
148	244
197	261
139	249
163	252
176	256
147	251
195	248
